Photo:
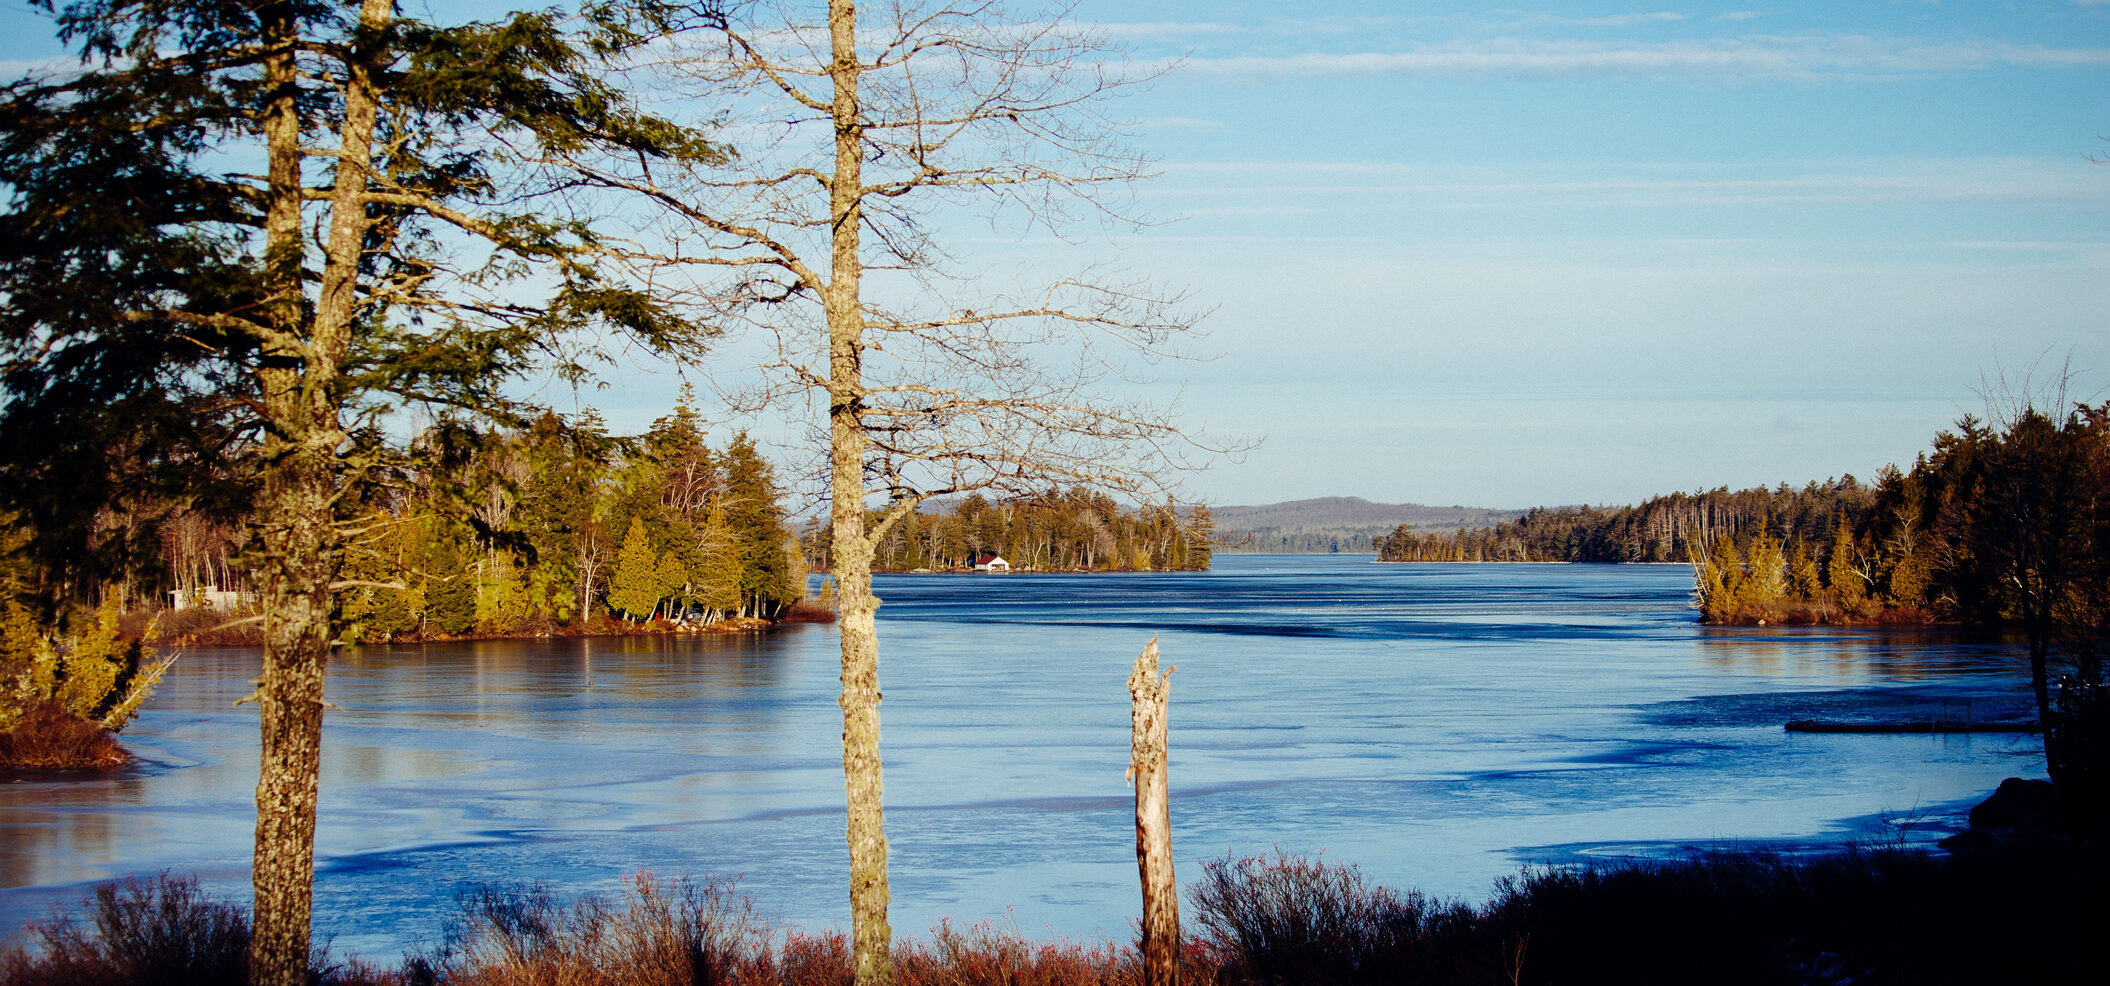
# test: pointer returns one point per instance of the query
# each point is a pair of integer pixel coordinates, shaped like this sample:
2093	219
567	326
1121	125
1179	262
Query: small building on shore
211	597
991	563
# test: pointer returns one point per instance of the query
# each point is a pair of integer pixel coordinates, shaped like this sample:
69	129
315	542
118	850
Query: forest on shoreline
1976	531
555	526
1065	531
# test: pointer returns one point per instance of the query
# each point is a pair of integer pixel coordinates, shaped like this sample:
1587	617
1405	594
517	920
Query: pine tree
634	588
1721	579
753	513
287	219
1841	575
670	580
1911	575
560	506
1803	584
1201	537
1765	573
719	577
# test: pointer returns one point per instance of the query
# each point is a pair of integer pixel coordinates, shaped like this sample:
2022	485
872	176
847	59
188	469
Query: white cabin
210	597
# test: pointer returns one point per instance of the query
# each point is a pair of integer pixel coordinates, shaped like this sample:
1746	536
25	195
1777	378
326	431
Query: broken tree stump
1147	692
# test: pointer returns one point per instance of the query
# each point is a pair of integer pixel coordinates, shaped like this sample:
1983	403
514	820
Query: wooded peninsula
1996	523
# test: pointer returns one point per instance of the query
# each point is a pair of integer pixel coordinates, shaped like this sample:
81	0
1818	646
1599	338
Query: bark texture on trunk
290	691
302	476
1148	693
871	936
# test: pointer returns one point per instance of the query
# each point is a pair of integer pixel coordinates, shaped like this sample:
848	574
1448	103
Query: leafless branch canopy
965	114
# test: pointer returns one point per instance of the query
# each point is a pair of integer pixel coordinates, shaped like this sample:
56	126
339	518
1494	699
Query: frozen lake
1439	725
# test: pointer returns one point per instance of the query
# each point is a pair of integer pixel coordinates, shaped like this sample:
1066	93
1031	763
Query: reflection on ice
1436	724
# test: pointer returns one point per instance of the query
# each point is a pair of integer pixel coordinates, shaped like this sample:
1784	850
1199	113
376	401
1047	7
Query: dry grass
160	932
2030	914
47	738
659	933
1282	918
985	955
808	611
205	626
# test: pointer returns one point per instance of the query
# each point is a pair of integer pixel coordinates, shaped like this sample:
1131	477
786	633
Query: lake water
1439	725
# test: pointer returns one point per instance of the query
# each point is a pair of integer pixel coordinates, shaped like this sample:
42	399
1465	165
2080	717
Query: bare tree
864	134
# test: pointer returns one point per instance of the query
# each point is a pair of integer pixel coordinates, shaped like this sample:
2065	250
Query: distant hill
1337	523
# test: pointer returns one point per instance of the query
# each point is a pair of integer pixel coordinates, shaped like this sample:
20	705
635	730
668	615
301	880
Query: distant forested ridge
1313	541
1335	523
1077	530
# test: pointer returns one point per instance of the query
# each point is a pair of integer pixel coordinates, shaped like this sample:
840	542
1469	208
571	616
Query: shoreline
602	628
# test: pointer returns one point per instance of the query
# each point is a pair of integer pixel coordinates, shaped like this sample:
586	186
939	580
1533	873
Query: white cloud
1827	183
1809	56
1614	20
1168	30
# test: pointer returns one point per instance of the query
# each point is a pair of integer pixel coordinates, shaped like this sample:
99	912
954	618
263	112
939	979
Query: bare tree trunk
1148	693
863	788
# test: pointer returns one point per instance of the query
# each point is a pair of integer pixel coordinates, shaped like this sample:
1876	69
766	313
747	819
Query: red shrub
49	739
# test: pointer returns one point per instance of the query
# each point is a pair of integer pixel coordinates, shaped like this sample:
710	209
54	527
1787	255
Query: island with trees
1076	530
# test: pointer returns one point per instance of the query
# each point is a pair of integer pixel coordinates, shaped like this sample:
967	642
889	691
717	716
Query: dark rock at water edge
2019	810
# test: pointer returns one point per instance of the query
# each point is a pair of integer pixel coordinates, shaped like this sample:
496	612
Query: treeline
554	523
1660	529
1985	513
549	525
2001	524
1321	541
1069	531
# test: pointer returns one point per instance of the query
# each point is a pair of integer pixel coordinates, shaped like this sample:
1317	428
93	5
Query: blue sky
1590	252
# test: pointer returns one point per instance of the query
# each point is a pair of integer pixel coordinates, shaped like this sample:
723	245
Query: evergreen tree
1842	576
1803	580
1911	577
1201	537
670	580
560	506
1765	573
753	513
243	213
718	579
1721	579
633	589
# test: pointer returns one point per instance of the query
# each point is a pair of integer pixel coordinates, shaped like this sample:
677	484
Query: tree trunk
1148	692
871	937
295	513
303	436
290	691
